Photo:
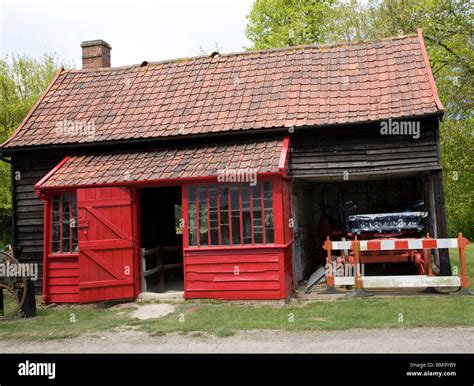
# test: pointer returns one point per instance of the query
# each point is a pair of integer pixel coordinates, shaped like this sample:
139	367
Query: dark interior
370	196
161	238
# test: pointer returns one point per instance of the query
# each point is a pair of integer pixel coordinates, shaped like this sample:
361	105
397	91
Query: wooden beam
407	281
441	225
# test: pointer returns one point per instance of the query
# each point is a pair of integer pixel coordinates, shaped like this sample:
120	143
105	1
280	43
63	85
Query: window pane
74	223
203	230
268	205
66	219
192	217
214	224
56	224
246	218
224	210
257	214
235	208
222	207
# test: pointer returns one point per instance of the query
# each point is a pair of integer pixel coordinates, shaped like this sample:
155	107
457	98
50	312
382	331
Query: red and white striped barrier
396	244
358	246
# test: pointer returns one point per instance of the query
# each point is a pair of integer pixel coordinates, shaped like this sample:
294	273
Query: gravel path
416	340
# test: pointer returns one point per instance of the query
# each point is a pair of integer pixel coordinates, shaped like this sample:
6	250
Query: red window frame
73	248
231	243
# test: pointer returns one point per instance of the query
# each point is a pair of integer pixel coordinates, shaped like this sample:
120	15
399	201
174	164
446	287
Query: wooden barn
207	174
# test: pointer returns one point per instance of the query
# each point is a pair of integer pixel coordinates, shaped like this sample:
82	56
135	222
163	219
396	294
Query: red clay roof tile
308	85
183	163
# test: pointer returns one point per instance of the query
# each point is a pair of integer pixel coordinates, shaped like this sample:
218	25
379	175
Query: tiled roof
296	86
178	163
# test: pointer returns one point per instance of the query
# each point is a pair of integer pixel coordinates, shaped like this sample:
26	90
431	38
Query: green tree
22	80
282	23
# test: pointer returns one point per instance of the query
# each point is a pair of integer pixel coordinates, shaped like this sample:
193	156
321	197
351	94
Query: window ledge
238	247
62	255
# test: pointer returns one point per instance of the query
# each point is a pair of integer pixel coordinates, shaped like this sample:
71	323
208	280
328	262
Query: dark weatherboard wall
29	209
361	150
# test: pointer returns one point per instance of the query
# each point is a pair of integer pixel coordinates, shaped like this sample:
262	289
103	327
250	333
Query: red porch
236	235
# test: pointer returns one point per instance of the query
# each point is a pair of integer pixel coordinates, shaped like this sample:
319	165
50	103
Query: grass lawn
224	318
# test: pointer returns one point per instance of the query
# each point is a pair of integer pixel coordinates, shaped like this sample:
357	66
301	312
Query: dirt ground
416	340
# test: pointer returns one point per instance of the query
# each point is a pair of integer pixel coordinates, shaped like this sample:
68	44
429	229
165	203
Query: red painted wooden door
106	244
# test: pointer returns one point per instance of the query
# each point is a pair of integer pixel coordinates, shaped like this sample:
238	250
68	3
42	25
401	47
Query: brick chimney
95	54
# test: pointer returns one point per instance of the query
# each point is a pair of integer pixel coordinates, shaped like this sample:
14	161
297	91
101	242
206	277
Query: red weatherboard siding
63	279
265	271
210	274
288	234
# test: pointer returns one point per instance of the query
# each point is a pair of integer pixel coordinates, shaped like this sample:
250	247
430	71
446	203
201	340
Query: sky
137	30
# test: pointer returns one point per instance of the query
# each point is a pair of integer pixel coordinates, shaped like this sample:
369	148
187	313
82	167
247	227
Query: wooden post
356	249
330	276
359	291
330	289
462	244
440	215
161	269
45	298
142	252
429	259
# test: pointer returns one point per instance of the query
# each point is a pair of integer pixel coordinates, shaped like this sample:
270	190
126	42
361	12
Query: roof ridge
248	53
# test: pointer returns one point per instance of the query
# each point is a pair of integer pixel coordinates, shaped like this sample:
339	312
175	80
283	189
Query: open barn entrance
314	199
161	238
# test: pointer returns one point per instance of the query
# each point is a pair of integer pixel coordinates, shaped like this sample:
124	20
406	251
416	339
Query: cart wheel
10	286
445	290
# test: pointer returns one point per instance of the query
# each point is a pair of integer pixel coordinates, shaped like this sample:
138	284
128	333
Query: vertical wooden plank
278	211
136	203
208	217
198	237
298	239
287	253
287	210
264	235
251	213
279	230
241	220
441	226
219	214
120	217
229	214
60	224
184	203
46	247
